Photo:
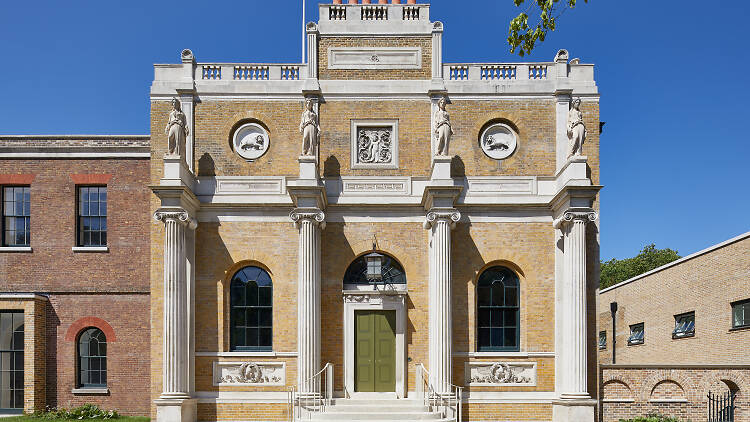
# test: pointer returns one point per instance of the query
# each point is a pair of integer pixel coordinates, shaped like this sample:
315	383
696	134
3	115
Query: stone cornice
314	215
179	215
448	215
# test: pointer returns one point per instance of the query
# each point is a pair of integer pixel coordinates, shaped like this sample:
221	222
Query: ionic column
440	222
309	222
176	351
574	347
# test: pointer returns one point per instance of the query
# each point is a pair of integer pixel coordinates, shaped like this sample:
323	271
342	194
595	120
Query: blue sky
675	148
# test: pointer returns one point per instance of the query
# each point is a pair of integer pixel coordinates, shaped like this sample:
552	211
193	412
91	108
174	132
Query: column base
176	410
574	410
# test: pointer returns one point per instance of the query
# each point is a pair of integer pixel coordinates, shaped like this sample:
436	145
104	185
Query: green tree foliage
521	36
615	270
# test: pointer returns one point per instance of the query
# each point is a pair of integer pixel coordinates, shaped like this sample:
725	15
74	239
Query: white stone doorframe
373	300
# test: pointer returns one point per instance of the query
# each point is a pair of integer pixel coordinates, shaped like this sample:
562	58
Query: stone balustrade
498	71
250	72
374	12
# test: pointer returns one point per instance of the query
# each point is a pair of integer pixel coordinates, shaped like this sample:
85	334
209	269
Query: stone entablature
40	146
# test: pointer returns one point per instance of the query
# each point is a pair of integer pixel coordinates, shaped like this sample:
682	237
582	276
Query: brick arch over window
648	386
617	390
667	390
736	381
90	321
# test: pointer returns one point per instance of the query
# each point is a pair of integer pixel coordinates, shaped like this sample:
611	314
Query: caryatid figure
442	129
310	129
176	130
576	129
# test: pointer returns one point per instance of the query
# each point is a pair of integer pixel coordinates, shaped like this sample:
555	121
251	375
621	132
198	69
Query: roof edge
679	261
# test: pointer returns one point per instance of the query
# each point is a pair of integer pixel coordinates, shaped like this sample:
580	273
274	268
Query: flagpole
303	32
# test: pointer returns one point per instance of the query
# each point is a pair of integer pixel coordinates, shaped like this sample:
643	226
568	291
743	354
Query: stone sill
90	248
89	391
668	401
741	328
15	249
676	337
618	401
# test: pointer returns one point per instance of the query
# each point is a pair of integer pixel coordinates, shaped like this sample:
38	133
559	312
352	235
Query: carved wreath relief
375	145
249	373
502	373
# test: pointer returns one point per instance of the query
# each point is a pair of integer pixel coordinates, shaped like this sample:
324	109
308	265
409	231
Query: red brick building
74	281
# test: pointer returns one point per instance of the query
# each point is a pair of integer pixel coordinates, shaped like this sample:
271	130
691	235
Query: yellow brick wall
706	285
534	120
34	350
424	72
507	412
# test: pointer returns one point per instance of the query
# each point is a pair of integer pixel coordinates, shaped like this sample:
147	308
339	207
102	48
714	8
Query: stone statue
442	129
310	129
576	129
176	130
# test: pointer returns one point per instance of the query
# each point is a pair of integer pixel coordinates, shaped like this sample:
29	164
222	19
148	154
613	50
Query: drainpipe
613	310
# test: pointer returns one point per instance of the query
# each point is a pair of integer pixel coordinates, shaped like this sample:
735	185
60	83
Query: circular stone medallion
498	141
250	141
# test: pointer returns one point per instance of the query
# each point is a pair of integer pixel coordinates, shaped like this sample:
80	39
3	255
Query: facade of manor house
370	234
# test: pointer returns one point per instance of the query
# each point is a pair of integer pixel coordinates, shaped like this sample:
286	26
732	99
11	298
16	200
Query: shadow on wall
206	165
331	167
53	325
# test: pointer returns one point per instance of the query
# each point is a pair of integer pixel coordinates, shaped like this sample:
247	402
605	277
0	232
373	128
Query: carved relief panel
249	373
374	144
501	373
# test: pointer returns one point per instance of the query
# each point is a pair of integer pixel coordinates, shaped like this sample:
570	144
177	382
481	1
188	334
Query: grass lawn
33	419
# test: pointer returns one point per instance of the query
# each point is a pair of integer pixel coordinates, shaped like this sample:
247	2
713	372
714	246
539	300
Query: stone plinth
176	410
176	172
441	168
308	167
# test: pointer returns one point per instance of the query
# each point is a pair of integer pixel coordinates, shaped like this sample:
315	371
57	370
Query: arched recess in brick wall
719	382
667	390
617	391
90	321
685	383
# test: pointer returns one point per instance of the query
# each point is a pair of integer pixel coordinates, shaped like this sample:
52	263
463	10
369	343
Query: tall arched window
390	270
92	358
251	303
498	326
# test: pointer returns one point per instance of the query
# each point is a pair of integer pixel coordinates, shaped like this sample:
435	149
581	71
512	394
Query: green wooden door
375	351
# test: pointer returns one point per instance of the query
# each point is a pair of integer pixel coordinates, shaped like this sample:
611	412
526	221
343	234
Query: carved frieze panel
374	144
250	141
498	141
249	373
374	57
501	373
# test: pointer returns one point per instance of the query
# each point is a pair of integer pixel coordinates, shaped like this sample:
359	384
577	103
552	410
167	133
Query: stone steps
377	410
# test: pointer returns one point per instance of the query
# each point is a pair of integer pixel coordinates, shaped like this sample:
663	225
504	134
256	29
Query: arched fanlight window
498	326
390	271
251	303
92	358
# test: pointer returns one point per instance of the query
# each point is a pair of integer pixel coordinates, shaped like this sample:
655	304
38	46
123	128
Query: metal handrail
440	401
314	398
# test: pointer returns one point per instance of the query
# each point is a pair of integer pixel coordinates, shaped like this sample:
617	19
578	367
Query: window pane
483	296
252	317
511	296
497	294
510	319
484	337
252	294
497	318
265	296
265	318
510	337
265	337
252	337
484	318
497	337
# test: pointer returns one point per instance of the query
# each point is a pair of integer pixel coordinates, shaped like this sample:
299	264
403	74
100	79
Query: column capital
315	215
178	214
581	214
448	215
